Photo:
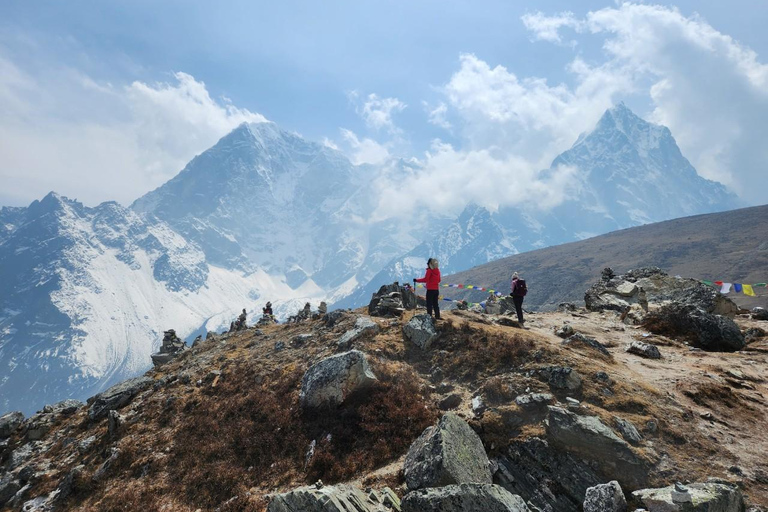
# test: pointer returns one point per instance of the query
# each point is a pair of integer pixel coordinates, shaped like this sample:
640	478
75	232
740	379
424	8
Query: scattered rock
363	326
86	444
420	330
9	422
450	402
530	400
462	498
114	424
336	498
300	339
586	341
65	407
116	397
508	322
572	403
627	430
564	331
701	497
70	483
332	380
21	455
448	453
753	333
478	405
715	333
9	486
38	426
759	313
392	300
100	473
643	349
567	307
605	498
279	345
590	438
333	317
561	377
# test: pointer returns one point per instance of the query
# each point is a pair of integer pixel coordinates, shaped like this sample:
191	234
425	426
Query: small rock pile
392	300
172	346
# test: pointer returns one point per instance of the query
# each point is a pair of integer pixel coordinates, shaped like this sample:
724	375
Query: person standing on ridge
432	280
519	289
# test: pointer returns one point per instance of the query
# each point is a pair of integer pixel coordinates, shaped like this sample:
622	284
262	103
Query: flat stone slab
464	498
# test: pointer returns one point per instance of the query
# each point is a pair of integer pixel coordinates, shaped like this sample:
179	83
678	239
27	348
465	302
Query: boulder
590	438
561	377
565	331
65	407
714	333
605	498
420	330
627	430
532	400
698	497
114	424
448	453
759	313
9	422
643	349
392	300
334	498
363	326
753	333
450	402
585	341
551	480
651	285
332	380
116	397
38	426
464	498
332	318
9	486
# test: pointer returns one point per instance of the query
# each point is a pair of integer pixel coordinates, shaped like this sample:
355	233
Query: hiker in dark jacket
432	280
519	289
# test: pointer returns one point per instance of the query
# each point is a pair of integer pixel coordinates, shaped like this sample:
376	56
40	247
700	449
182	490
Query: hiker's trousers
432	302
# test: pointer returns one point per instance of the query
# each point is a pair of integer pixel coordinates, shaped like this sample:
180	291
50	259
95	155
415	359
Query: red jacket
432	278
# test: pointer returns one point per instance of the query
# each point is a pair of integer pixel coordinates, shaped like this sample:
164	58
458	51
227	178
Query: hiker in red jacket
432	279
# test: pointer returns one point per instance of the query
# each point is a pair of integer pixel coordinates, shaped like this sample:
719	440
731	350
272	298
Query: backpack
521	288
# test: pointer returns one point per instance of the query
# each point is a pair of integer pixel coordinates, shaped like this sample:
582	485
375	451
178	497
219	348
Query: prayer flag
737	287
719	283
726	288
748	290
759	284
708	283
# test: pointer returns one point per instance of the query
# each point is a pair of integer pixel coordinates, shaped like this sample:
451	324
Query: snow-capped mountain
85	293
630	172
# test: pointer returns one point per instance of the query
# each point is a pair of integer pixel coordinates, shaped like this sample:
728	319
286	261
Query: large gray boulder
334	498
65	407
464	498
332	380
592	439
551	480
714	333
651	285
605	498
363	326
699	497
116	397
642	349
9	422
448	453
9	486
420	330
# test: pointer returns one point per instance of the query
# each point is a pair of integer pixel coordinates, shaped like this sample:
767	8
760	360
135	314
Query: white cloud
547	28
67	132
377	112
364	151
451	178
437	115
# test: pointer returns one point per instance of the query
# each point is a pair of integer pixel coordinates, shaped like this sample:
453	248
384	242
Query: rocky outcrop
363	326
392	300
590	438
605	498
420	330
651	285
448	453
643	349
332	380
9	422
464	498
116	397
698	497
334	498
65	407
550	480
714	333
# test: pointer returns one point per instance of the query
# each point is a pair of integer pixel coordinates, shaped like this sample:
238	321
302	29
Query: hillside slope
729	246
221	427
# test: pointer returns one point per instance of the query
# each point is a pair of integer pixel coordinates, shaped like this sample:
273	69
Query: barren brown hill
221	427
729	246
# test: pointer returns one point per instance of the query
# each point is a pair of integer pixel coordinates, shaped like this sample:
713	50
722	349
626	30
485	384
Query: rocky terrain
615	407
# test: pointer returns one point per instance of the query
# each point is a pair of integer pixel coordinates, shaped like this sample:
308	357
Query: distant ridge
730	246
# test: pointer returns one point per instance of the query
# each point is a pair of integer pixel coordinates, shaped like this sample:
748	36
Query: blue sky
107	100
